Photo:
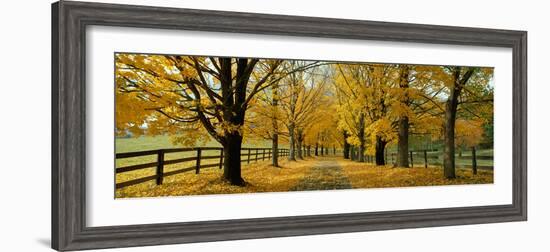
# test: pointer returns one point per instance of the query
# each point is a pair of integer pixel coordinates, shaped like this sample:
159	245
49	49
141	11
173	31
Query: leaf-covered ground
363	175
260	177
311	174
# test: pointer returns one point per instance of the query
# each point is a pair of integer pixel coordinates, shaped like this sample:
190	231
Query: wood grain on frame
69	21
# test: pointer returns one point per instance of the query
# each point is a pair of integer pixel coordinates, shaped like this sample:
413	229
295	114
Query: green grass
163	142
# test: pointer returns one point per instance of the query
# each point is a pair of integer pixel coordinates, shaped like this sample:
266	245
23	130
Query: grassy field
159	142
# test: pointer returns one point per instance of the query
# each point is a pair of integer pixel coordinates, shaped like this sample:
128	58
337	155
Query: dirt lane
326	174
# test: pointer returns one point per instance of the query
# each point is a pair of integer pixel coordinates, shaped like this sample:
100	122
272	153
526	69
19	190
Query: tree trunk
474	161
316	149
361	153
403	142
346	146
322	150
380	147
300	142
292	142
234	113
450	119
274	148
361	137
232	159
449	135
299	148
403	131
275	137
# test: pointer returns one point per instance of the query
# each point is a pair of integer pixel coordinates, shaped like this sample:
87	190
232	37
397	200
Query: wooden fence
427	157
247	155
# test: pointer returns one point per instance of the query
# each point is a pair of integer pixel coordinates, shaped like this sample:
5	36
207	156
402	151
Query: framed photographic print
177	125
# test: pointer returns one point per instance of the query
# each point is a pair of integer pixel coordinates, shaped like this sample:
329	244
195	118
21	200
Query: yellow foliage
468	132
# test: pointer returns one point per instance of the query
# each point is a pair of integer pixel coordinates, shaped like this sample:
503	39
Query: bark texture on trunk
403	130
474	161
232	159
449	135
361	138
275	125
274	148
292	142
299	148
234	109
380	147
403	142
299	142
451	106
346	146
316	149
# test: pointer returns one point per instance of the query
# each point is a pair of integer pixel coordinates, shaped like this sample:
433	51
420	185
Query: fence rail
423	157
247	155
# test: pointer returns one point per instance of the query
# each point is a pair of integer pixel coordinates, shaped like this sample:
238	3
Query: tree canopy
305	105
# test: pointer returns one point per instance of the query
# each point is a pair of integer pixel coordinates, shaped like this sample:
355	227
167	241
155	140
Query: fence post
425	159
221	158
198	163
160	166
412	163
263	154
256	158
248	160
474	161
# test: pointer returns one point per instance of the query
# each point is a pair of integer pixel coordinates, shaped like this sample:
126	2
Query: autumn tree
457	91
185	95
348	82
301	96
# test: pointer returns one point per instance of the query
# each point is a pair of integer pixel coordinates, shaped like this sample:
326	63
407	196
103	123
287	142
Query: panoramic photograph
196	125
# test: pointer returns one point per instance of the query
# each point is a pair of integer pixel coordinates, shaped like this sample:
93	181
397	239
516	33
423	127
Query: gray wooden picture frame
69	22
